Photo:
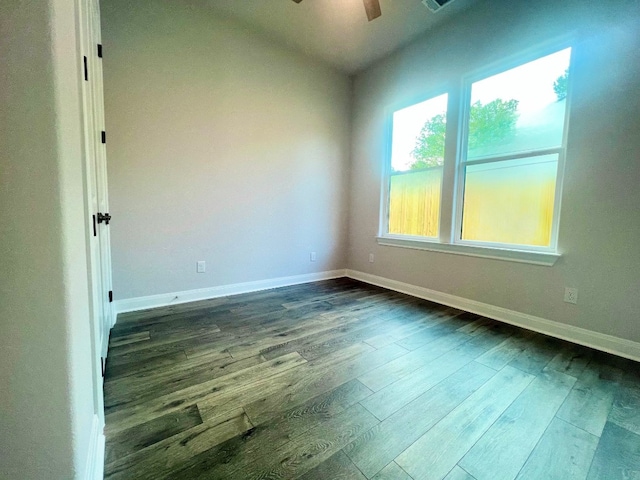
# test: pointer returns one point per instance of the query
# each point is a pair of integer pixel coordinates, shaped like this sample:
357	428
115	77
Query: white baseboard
162	300
599	341
95	456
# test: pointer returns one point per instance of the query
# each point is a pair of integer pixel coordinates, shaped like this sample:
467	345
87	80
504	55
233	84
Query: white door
101	171
97	204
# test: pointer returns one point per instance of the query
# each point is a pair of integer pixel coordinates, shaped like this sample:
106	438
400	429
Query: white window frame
386	174
450	239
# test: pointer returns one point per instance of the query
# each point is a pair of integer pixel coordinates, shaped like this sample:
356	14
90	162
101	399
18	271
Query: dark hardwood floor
342	380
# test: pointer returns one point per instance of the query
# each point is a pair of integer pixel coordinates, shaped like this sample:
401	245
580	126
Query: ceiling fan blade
373	9
297	1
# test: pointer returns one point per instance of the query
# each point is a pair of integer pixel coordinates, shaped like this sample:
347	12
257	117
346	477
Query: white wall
600	221
46	402
223	147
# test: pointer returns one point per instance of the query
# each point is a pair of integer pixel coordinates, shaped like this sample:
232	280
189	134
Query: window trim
452	189
492	252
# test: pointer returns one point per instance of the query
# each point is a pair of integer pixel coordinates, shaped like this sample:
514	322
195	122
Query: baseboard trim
165	299
95	456
599	341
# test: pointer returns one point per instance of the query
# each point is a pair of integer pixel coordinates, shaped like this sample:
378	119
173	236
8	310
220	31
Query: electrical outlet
371	258
571	295
312	256
201	266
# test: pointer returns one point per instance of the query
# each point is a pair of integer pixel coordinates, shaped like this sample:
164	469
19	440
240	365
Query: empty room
320	239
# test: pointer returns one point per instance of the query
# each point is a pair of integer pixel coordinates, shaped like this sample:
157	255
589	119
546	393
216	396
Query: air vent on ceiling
435	5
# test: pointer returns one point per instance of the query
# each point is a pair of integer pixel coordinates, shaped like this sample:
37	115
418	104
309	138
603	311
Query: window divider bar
459	178
448	192
515	156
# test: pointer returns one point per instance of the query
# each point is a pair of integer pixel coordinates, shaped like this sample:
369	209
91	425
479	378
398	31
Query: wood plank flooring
343	380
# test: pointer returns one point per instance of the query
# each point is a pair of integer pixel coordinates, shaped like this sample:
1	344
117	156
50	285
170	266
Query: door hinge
86	69
110	296
103	136
100	50
95	233
104	217
103	365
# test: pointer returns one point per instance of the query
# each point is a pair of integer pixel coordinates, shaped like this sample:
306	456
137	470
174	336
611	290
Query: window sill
547	259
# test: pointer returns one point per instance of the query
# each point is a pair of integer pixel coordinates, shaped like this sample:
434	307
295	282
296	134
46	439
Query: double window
490	181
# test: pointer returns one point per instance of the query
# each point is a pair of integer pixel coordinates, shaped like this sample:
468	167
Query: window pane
522	109
511	201
417	156
414	202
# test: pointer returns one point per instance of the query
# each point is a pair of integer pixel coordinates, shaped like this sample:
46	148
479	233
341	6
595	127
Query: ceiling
337	31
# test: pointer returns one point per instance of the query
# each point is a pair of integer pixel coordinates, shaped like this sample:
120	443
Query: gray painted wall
600	220
222	147
46	401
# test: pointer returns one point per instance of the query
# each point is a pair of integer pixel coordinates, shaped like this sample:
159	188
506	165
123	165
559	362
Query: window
416	168
502	192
